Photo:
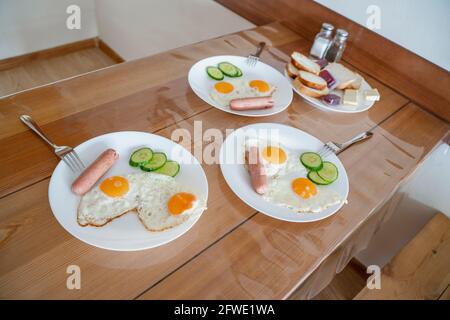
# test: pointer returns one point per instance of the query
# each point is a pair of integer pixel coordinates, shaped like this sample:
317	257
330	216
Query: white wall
32	25
422	26
138	28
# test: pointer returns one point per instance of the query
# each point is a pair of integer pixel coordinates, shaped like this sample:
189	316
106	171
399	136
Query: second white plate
202	84
238	178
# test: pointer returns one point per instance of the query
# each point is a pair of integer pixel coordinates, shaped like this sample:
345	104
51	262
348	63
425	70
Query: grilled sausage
258	103
94	172
256	170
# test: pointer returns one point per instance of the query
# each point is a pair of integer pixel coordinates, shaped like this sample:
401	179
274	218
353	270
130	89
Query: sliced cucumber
314	177
140	156
239	74
329	172
170	168
157	161
311	161
214	73
228	69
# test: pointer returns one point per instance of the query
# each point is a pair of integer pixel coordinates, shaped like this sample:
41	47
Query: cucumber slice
140	156
311	161
170	168
314	177
228	69
214	73
239	74
329	172
157	161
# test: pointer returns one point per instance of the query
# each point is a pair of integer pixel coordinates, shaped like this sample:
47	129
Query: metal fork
253	59
336	148
67	154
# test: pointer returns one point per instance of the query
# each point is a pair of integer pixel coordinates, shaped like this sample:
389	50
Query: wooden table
232	251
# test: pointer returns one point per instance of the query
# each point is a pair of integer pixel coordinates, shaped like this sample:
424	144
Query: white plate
202	84
362	106
238	178
125	233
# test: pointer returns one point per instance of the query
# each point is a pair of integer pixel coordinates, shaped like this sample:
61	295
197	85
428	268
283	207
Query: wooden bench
421	270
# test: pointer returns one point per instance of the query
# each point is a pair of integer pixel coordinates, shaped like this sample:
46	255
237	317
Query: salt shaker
322	41
337	47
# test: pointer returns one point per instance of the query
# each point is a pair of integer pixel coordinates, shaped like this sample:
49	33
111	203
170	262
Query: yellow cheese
372	95
351	97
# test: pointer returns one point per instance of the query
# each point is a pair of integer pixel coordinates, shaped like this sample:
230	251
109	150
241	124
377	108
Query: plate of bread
330	86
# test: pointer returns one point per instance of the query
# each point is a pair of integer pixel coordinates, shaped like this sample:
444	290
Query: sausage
251	103
94	172
256	171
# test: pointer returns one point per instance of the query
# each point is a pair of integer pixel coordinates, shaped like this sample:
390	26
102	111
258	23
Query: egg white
96	208
241	89
280	192
148	195
273	169
155	192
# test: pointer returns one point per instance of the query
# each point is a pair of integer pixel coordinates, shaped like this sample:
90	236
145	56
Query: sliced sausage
256	170
258	103
94	172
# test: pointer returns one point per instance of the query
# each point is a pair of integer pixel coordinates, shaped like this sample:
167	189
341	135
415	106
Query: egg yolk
304	188
259	85
180	202
115	186
223	87
274	155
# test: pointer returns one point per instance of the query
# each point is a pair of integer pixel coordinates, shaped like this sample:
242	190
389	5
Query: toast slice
311	80
302	62
291	71
343	76
310	92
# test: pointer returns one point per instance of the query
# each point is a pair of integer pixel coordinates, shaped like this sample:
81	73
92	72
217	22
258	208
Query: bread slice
311	80
357	83
310	92
343	76
302	62
291	70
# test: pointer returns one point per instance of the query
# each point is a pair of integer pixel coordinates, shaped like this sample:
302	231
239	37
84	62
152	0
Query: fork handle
29	122
260	49
362	136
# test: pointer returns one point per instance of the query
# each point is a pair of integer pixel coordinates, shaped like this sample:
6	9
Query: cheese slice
351	97
372	95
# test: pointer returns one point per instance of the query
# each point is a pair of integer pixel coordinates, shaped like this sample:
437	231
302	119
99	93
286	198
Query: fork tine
325	151
70	159
75	162
79	160
68	164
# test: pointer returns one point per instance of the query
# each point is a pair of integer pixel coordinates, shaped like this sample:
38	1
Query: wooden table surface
232	251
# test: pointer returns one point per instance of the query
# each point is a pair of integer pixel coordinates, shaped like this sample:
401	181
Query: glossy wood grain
420	80
230	242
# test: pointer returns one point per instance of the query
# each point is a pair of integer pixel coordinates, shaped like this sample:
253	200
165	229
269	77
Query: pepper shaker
322	41
337	47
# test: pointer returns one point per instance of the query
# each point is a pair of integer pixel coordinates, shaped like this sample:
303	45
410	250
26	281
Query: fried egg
300	194
224	91
165	203
160	201
113	197
276	158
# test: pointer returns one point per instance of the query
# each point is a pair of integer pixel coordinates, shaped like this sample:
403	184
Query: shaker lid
342	34
327	26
